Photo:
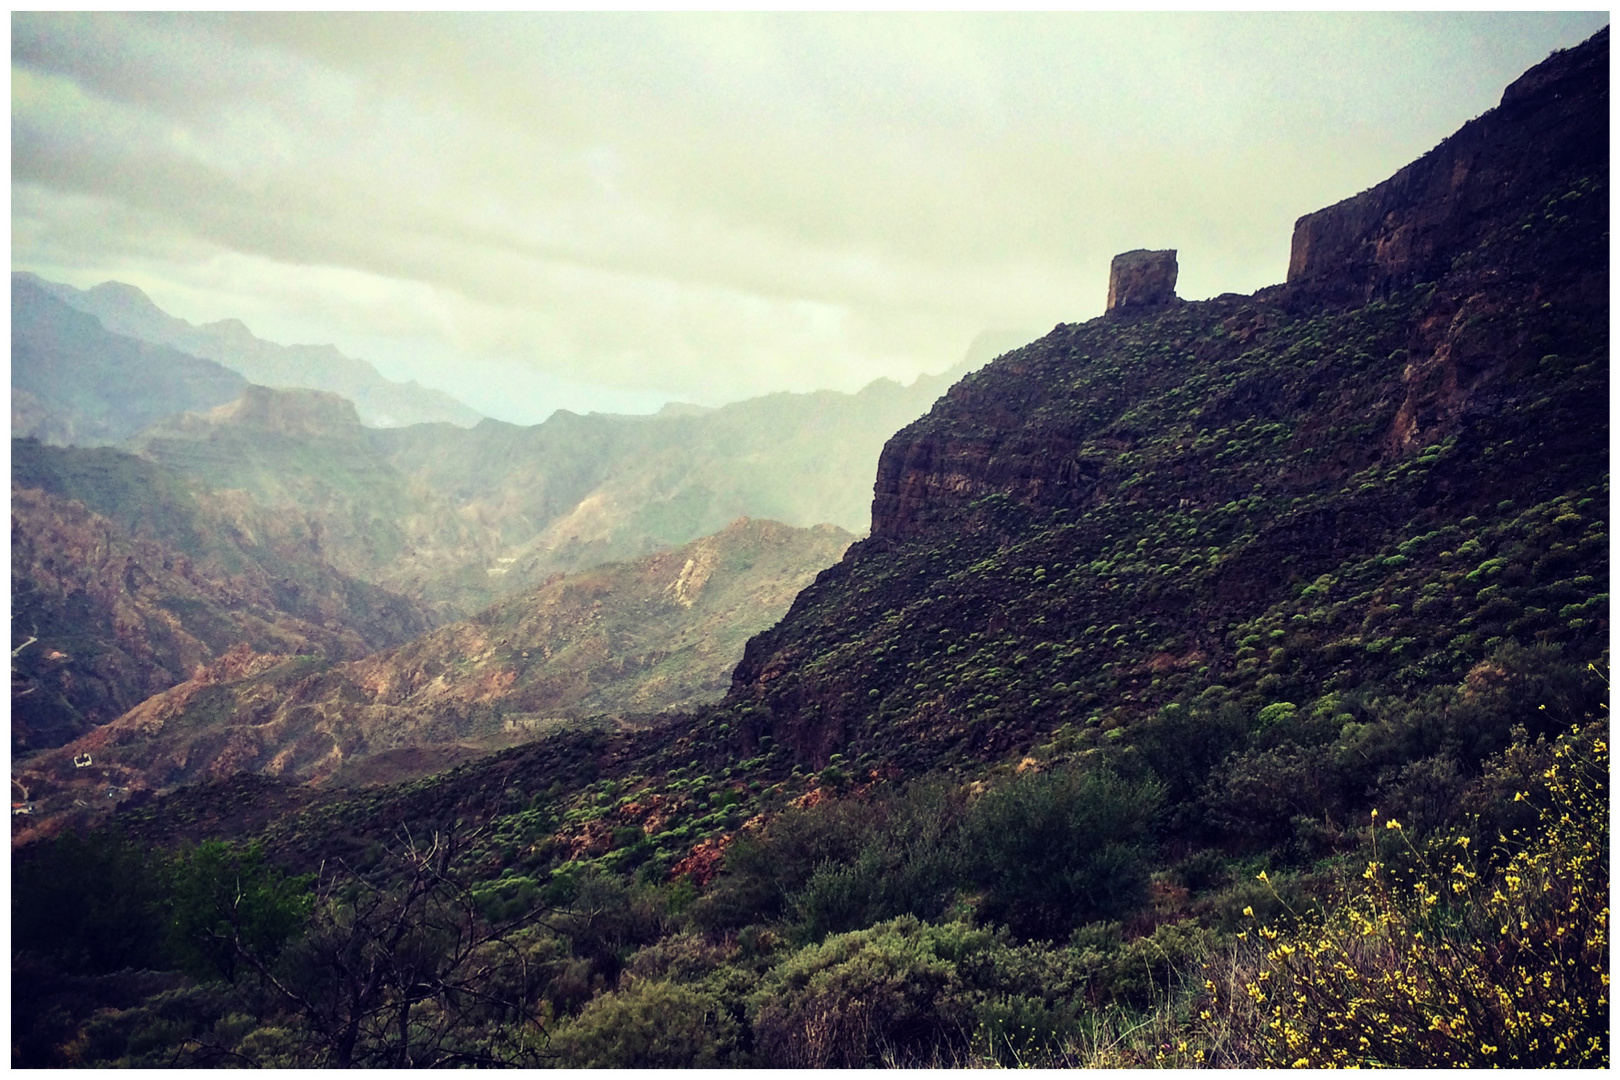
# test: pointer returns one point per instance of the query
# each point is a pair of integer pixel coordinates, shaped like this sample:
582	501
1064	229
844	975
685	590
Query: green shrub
853	998
1055	850
1466	966
224	900
649	1025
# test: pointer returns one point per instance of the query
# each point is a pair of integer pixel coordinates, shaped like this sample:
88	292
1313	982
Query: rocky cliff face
1552	122
1514	174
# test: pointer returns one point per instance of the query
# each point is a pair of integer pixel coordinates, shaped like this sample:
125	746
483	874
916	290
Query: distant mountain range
125	310
218	512
74	383
579	490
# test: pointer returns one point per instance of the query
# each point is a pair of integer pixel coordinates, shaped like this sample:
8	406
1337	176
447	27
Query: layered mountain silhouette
578	490
74	383
127	311
230	513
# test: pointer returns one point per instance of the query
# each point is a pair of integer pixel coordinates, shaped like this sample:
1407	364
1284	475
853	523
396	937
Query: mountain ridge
127	310
74	382
613	645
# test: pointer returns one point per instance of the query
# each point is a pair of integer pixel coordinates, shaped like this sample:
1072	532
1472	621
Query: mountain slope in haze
73	382
124	309
622	640
1281	557
124	583
578	490
303	460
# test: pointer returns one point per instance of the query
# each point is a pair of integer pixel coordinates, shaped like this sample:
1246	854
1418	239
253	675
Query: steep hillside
124	309
109	607
72	382
1368	480
618	641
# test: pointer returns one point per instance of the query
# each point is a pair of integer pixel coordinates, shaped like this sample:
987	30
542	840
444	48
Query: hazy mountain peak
683	408
295	413
121	293
232	330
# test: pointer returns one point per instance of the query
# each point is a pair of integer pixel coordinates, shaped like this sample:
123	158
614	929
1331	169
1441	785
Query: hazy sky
610	211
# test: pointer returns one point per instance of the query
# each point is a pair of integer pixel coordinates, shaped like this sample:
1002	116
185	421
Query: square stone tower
1142	279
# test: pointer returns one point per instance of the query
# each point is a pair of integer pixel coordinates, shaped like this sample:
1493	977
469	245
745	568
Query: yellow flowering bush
1470	966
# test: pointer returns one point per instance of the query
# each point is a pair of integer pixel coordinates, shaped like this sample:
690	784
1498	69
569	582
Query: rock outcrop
1552	121
1141	279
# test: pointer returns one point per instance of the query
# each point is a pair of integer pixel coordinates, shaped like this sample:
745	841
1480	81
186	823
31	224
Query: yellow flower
1249	911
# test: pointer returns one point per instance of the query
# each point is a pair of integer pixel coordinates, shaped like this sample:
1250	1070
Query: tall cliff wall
1408	228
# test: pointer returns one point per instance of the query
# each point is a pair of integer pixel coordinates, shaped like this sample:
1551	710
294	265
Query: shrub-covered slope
1258	499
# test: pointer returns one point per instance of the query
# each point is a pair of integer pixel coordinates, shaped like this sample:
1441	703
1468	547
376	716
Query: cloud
712	206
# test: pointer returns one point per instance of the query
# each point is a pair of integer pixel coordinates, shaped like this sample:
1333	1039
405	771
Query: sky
611	211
